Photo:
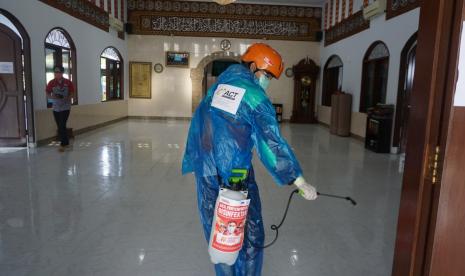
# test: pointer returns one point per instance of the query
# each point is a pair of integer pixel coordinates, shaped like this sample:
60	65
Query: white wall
38	19
394	33
172	90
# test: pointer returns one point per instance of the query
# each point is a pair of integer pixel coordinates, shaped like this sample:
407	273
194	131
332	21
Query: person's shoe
61	149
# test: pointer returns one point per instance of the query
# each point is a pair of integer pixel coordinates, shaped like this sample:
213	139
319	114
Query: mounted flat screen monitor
179	59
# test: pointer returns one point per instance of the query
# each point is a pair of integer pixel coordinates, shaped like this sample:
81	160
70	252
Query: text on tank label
228	98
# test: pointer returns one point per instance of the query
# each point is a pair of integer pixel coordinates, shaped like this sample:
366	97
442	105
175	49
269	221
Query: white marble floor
117	205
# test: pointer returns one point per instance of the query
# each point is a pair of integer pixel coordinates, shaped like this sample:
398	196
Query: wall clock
225	44
158	68
289	72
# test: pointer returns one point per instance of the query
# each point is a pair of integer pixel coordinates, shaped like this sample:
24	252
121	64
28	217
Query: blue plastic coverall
220	141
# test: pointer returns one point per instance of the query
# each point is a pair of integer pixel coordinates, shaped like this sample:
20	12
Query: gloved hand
306	190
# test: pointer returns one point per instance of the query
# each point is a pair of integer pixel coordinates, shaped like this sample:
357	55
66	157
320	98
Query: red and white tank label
229	229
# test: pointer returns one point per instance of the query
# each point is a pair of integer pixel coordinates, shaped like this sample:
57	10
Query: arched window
332	79
60	51
111	74
375	76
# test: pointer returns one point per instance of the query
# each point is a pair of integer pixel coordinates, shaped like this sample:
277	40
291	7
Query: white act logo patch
228	98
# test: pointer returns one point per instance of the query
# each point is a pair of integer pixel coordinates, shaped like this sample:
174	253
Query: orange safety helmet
265	57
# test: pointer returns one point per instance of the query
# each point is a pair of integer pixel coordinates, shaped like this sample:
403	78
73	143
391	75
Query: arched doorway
16	110
406	75
213	70
374	76
198	73
332	79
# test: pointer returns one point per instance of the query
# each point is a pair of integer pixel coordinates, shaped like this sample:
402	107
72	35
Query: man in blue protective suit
234	117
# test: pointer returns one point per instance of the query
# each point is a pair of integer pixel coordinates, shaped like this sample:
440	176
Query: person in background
61	91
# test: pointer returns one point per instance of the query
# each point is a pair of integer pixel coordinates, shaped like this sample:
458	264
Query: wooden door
446	240
12	107
430	229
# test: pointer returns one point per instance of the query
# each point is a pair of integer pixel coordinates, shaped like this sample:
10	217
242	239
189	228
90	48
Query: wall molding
352	135
208	19
350	26
83	10
46	141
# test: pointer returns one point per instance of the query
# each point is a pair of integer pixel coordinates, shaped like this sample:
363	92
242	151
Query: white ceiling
285	2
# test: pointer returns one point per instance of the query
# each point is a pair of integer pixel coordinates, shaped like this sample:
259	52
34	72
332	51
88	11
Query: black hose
274	226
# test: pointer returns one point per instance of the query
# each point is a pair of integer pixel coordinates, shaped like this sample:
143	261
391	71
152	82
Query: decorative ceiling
241	20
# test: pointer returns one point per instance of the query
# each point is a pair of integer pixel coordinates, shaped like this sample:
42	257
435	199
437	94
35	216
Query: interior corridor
116	204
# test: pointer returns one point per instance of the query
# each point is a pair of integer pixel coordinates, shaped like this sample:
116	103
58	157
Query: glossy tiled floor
117	205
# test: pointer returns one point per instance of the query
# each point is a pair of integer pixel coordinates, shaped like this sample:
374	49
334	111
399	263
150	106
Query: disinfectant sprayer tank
229	221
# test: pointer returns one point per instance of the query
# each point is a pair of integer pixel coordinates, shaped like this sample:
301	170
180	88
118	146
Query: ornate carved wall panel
348	27
398	7
165	17
83	10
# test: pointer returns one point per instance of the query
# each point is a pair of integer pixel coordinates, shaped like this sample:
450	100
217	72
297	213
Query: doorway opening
16	108
212	71
198	73
374	76
332	78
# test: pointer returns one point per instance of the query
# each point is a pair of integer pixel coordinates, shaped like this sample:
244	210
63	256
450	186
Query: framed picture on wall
140	80
177	59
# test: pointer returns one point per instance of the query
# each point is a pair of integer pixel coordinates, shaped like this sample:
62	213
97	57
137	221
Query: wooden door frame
30	126
396	140
430	100
447	121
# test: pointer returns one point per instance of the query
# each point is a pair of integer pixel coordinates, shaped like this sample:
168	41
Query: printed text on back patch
228	98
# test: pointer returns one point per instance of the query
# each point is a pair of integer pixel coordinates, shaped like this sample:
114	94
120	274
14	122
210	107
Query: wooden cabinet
305	76
378	129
